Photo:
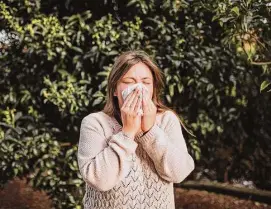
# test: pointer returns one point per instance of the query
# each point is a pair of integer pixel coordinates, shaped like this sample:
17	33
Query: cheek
119	90
150	89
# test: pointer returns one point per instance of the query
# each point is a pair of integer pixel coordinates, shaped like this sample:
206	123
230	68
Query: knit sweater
125	173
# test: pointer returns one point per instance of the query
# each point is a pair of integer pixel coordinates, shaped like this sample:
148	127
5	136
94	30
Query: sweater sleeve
167	149
103	162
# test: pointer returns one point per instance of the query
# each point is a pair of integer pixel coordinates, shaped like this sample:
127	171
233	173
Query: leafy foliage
55	58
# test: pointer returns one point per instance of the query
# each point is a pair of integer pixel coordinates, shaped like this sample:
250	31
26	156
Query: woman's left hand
149	112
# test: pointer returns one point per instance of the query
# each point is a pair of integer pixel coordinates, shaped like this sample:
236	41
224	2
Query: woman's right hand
130	119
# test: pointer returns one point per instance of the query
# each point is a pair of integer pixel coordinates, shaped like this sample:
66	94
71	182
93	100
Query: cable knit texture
122	173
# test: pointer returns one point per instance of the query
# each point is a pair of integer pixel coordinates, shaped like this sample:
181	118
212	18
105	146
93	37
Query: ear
115	94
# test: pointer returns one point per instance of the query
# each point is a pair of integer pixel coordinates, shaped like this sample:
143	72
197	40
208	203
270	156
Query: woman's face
139	73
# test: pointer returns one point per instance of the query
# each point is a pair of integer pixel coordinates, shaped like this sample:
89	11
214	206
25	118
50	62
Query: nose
139	80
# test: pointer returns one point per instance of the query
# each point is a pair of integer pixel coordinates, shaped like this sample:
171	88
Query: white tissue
130	89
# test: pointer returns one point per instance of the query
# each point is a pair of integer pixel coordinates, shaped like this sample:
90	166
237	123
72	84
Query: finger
144	102
130	99
146	93
138	104
149	101
148	105
133	104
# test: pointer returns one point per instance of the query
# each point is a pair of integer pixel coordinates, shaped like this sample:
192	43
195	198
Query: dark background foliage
56	56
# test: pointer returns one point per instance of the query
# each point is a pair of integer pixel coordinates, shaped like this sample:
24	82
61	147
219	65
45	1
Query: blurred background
55	57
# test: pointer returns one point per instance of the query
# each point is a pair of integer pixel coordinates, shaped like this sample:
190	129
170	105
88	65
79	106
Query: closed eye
128	82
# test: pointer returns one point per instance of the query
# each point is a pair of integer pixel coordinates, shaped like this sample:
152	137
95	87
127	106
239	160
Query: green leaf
130	3
236	11
97	101
264	85
168	98
171	90
180	87
77	49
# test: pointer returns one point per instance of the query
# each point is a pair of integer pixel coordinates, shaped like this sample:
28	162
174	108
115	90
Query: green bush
57	56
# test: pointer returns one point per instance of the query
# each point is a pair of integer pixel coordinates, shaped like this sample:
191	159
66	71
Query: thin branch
260	63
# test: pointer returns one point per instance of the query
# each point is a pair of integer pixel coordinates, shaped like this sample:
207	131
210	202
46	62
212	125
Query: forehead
139	70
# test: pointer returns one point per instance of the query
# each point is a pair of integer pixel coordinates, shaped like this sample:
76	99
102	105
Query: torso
142	188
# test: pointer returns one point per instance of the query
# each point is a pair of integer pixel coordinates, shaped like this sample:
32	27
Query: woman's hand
149	112
130	119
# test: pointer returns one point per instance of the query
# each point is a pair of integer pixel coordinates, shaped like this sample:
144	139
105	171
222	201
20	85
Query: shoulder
168	115
168	119
94	116
96	120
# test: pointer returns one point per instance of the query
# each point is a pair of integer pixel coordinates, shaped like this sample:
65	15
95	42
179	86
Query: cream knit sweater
122	173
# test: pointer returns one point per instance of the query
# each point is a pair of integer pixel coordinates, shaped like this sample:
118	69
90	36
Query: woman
130	160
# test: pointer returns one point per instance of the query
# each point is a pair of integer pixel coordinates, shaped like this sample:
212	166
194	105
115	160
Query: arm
167	148
103	165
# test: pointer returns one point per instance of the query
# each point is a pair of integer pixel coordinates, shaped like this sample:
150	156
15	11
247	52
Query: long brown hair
121	66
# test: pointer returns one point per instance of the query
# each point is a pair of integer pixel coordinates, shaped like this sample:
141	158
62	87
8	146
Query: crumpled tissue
130	89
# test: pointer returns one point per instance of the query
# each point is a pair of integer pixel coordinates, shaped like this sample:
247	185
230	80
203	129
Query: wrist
147	129
128	133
